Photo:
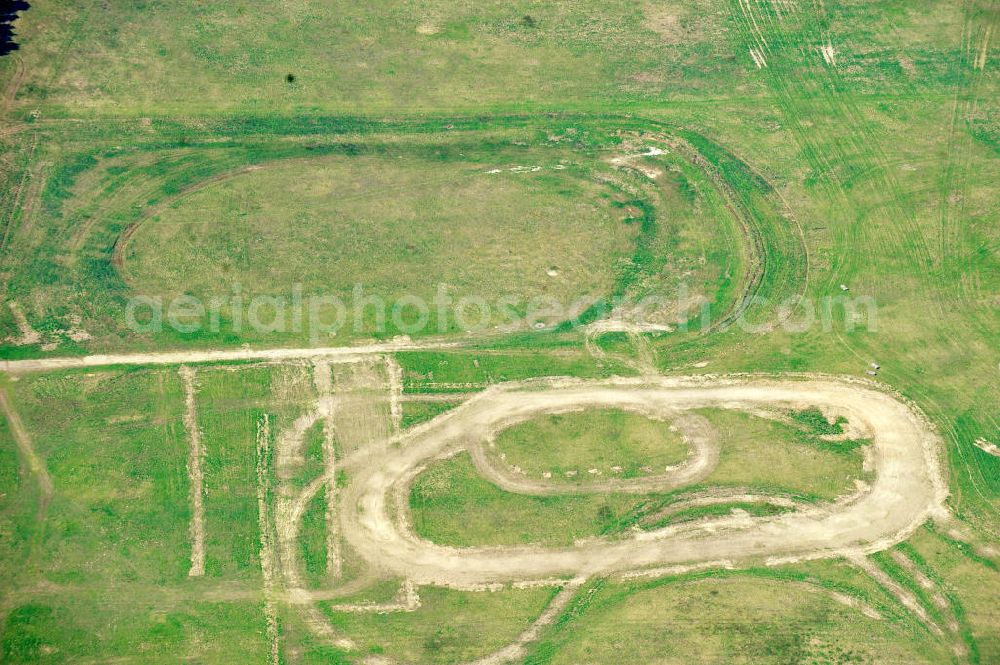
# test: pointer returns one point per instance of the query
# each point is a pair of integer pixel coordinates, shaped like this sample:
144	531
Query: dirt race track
904	455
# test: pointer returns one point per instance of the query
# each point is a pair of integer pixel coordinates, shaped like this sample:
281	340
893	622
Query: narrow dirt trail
908	488
220	355
268	561
517	650
27	449
196	457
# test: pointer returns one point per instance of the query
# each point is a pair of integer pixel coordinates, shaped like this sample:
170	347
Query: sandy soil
228	355
908	487
196	455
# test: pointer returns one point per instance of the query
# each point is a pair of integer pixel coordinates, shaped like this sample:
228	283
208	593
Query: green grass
715	510
450	626
440	372
85	626
312	540
415	413
386	226
815	422
876	172
771	455
453	505
115	447
601	439
727	618
283	240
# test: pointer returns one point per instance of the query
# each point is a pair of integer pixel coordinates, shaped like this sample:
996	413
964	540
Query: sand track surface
908	487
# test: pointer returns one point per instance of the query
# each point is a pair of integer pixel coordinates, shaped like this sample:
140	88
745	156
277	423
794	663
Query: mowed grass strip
136	623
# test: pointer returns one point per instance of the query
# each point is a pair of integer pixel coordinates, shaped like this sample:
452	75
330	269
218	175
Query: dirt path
24	445
905	597
268	562
214	356
908	488
291	503
395	373
196	455
516	650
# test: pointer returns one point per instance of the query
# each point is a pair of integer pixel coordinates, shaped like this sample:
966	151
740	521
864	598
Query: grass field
729	619
611	441
760	168
453	505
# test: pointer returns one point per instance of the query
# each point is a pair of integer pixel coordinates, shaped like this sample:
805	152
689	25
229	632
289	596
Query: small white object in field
653	152
843	287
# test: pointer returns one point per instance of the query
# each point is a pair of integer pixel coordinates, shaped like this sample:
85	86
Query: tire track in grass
31	459
905	597
937	597
18	193
881	233
517	650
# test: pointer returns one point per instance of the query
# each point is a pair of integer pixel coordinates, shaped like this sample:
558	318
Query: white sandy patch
988	447
829	55
980	62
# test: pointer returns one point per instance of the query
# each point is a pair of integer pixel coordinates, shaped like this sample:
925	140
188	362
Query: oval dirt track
908	487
